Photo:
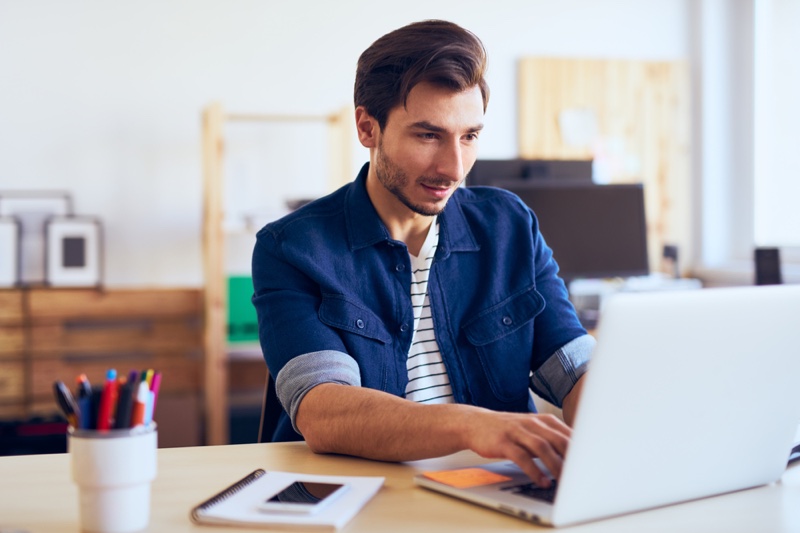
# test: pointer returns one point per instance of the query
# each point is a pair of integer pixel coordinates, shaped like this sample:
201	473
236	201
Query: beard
394	179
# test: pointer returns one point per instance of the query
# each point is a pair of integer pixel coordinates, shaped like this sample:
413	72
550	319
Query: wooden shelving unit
214	339
641	112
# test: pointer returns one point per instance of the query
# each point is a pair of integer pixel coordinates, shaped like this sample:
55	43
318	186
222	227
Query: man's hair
433	51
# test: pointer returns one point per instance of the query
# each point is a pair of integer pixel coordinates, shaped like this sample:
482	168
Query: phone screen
305	492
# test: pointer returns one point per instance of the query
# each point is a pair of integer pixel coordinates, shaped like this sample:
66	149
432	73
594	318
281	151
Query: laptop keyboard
529	490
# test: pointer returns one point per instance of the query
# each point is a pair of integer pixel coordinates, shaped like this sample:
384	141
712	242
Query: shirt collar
365	228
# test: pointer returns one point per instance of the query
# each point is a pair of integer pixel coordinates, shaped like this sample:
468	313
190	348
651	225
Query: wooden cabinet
57	334
12	346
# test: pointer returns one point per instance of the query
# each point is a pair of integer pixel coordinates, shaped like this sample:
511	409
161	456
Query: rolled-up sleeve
556	377
306	371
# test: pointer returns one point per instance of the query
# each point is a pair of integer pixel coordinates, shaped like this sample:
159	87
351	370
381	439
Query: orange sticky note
464	478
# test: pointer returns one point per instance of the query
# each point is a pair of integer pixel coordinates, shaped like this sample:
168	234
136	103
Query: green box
242	320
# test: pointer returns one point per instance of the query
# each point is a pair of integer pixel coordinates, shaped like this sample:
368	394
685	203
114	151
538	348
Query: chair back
270	411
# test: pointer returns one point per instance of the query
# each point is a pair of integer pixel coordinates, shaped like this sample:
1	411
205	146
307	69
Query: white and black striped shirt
428	381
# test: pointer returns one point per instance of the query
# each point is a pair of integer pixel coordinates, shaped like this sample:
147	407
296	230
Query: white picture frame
10	236
32	209
73	255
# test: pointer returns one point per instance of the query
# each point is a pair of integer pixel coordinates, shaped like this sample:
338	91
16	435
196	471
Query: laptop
689	394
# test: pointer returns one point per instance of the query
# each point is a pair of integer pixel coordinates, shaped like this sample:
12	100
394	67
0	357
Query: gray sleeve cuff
304	372
555	378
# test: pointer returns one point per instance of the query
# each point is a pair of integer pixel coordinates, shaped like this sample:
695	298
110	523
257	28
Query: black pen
125	405
66	402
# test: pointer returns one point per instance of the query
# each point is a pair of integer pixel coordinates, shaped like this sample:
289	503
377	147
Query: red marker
108	400
140	405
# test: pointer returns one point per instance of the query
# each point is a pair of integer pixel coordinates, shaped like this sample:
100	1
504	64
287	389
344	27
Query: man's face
428	147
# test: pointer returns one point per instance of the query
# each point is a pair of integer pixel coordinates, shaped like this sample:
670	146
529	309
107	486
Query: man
402	315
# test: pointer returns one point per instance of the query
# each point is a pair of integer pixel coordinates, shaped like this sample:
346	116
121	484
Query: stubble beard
394	179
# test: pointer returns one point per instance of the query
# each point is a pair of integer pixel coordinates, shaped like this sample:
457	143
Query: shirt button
507	320
360	324
400	267
404	328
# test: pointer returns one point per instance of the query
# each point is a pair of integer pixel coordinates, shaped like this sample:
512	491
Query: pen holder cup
113	470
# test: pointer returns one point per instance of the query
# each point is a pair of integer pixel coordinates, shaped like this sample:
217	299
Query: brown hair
433	51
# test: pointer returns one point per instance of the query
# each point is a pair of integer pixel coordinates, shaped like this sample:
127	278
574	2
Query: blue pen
85	407
84	387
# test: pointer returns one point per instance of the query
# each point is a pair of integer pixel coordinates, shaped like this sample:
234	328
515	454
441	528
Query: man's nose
450	161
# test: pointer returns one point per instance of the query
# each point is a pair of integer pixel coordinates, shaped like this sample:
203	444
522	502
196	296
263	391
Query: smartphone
303	497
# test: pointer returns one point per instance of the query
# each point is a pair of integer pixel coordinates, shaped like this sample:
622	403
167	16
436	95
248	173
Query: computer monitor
595	231
493	171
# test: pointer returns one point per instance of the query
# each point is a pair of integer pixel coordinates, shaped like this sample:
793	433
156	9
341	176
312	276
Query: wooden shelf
216	297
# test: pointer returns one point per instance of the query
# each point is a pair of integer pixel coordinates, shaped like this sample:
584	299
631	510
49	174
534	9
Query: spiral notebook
239	504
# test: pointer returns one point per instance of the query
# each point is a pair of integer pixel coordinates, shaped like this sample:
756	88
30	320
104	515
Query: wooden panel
637	129
246	375
96	336
65	303
12	341
12	381
180	374
10	306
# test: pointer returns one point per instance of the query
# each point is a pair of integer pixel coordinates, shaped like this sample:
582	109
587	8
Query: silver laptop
689	394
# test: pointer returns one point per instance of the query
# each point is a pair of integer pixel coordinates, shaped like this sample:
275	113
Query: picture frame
73	255
10	236
32	209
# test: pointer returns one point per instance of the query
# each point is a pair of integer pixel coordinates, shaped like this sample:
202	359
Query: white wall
103	99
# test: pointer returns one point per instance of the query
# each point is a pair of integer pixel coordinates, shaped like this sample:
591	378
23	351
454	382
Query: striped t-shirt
427	377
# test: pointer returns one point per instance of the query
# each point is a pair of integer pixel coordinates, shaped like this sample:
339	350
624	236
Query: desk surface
37	495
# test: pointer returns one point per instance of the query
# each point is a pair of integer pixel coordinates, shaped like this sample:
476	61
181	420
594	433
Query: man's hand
520	437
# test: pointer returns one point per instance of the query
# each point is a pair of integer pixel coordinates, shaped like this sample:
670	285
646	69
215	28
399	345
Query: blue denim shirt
332	293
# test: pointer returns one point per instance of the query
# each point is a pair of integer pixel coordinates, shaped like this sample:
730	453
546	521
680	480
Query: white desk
37	495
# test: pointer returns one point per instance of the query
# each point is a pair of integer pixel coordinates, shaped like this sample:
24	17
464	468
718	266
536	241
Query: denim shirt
332	293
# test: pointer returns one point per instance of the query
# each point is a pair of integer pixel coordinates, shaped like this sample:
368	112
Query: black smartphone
303	497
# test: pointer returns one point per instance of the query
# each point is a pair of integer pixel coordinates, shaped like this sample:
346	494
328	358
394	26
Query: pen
125	405
148	411
84	387
85	407
154	387
107	401
147	376
85	402
67	403
140	405
97	394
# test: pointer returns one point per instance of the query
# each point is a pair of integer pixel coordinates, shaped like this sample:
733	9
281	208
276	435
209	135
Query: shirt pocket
338	312
503	339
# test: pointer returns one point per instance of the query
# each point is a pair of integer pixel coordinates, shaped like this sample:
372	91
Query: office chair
270	411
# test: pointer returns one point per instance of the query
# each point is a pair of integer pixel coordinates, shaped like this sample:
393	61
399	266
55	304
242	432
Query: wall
103	99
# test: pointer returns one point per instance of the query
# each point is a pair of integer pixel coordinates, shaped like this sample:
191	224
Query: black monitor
495	171
595	231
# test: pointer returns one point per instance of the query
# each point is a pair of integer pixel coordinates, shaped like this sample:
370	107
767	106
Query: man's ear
367	128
